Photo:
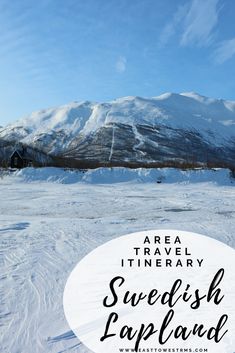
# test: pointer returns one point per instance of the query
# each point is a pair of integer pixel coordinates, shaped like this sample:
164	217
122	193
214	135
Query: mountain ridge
132	129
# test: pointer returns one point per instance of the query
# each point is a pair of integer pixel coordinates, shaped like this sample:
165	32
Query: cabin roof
22	155
18	152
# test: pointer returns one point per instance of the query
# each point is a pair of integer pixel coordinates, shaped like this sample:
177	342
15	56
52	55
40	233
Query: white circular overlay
154	291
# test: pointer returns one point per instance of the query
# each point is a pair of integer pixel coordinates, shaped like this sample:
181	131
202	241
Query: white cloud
195	21
200	22
224	51
170	28
121	64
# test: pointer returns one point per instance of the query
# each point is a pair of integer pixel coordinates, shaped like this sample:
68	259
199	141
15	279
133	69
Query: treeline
43	159
178	164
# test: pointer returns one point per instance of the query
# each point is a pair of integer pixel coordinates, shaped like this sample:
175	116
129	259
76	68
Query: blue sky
55	51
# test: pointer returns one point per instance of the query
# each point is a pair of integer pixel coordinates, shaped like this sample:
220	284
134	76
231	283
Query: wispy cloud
121	64
224	51
171	27
200	22
195	22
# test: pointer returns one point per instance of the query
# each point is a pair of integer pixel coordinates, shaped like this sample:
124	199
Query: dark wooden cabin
19	159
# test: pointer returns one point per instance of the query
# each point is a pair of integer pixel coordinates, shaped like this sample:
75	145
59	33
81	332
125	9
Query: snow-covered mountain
184	127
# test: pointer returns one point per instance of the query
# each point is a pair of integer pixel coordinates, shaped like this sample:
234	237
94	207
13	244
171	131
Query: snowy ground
46	227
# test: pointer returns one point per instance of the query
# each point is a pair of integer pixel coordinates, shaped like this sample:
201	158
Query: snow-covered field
50	219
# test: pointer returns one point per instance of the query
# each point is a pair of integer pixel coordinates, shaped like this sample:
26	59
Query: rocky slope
171	129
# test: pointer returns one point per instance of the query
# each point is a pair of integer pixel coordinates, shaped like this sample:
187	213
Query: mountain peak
168	127
187	110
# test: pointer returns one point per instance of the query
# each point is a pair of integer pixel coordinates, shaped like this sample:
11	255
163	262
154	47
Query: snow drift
124	175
